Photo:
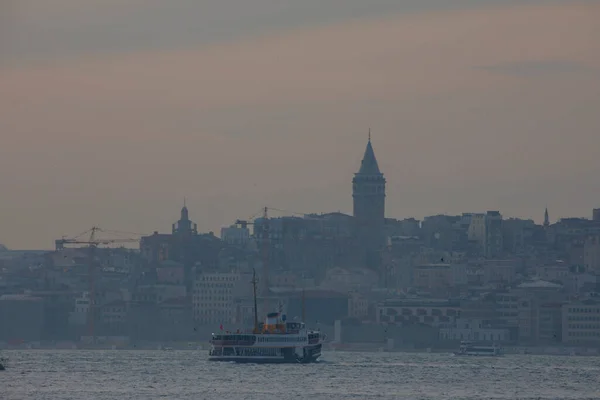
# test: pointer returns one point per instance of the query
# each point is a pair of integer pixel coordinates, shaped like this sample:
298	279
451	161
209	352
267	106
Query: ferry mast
303	306
263	239
265	256
255	304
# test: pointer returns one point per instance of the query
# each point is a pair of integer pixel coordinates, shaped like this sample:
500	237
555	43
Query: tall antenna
255	305
303	307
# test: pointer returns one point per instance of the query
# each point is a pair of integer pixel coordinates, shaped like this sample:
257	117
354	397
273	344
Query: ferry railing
233	342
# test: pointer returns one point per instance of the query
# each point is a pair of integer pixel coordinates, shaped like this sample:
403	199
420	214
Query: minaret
546	218
368	193
184	232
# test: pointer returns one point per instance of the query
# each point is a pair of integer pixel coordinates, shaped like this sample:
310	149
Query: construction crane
92	242
264	237
264	246
265	242
265	231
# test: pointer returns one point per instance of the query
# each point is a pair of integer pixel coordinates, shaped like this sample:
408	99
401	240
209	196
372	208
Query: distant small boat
471	349
2	363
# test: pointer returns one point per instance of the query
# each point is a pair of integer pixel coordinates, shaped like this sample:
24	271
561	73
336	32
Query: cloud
281	119
32	31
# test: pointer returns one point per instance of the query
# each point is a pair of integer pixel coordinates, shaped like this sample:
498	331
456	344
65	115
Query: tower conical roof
368	165
184	211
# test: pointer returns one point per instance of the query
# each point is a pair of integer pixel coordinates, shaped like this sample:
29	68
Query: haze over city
113	112
377	198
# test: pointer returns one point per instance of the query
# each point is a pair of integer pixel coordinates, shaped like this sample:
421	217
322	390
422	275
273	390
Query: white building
476	231
79	314
235	235
486	231
499	272
430	312
358	306
581	323
155	293
214	296
473	329
359	279
591	254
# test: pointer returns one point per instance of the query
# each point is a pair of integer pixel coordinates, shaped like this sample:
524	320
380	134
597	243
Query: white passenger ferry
470	349
274	341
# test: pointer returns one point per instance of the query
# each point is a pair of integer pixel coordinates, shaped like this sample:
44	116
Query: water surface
121	374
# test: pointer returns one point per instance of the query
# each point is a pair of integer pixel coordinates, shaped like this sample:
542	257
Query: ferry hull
264	360
311	355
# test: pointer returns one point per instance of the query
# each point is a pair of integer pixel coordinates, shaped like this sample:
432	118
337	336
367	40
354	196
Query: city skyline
288	212
472	109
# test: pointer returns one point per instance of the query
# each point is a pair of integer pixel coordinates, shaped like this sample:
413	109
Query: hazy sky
111	111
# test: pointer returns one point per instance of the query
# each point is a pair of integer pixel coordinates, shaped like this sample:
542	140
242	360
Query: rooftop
18	297
421	303
539	284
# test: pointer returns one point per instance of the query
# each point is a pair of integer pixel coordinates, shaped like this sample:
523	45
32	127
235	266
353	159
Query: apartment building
214	296
581	323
